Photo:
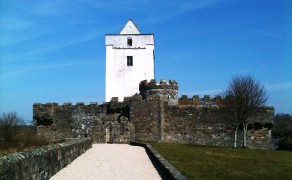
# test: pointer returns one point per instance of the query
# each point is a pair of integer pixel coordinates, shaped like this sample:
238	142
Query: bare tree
227	117
242	100
11	119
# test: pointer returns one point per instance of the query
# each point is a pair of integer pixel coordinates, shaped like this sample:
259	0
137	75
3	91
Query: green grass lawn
203	162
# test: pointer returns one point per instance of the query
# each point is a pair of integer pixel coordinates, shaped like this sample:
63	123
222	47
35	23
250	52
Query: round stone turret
166	90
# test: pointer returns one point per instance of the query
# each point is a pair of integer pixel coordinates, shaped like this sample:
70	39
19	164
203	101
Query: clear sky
54	51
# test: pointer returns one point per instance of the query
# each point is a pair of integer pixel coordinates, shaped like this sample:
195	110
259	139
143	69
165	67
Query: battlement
197	97
153	84
155	114
197	102
208	102
64	105
164	90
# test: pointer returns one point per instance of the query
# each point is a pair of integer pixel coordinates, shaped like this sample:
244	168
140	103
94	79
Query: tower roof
130	28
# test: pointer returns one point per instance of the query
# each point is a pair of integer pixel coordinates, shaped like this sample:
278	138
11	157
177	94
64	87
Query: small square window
129	42
129	60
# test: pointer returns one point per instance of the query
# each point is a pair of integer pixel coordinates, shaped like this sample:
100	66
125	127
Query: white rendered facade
129	60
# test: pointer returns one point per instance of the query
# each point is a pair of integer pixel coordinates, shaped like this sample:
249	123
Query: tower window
129	41
129	60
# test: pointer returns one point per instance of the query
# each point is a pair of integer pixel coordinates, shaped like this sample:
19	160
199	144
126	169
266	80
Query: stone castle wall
82	120
151	116
155	120
149	120
202	126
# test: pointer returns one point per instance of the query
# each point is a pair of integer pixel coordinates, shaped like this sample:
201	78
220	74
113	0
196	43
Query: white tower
129	60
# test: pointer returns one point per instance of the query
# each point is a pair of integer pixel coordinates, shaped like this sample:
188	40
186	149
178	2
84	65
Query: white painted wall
123	80
130	28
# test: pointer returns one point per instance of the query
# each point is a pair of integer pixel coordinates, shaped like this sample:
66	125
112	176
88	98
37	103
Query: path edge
169	171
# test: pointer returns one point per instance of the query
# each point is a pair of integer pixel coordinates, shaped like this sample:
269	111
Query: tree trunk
235	137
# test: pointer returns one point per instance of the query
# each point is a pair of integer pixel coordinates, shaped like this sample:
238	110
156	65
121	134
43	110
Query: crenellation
105	104
206	97
152	81
199	103
136	98
115	99
51	104
163	82
193	120
167	90
218	97
93	104
115	105
173	83
35	105
196	97
80	104
127	99
67	104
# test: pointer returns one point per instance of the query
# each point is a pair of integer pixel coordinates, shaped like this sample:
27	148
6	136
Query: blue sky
53	51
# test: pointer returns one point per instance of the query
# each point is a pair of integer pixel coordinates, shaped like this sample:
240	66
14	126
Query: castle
154	113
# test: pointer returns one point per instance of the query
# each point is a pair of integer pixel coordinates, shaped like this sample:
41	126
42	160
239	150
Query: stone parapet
42	163
197	102
66	104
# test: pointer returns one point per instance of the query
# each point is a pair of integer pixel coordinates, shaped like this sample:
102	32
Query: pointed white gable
130	28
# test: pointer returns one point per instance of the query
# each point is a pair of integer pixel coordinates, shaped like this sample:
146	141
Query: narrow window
129	60
129	41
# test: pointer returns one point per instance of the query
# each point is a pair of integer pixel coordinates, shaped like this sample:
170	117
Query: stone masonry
44	162
156	114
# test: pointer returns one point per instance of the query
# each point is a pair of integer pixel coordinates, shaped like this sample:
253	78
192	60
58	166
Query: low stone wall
164	168
42	163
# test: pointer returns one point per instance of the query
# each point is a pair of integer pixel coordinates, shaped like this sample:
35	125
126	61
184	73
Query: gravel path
110	161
